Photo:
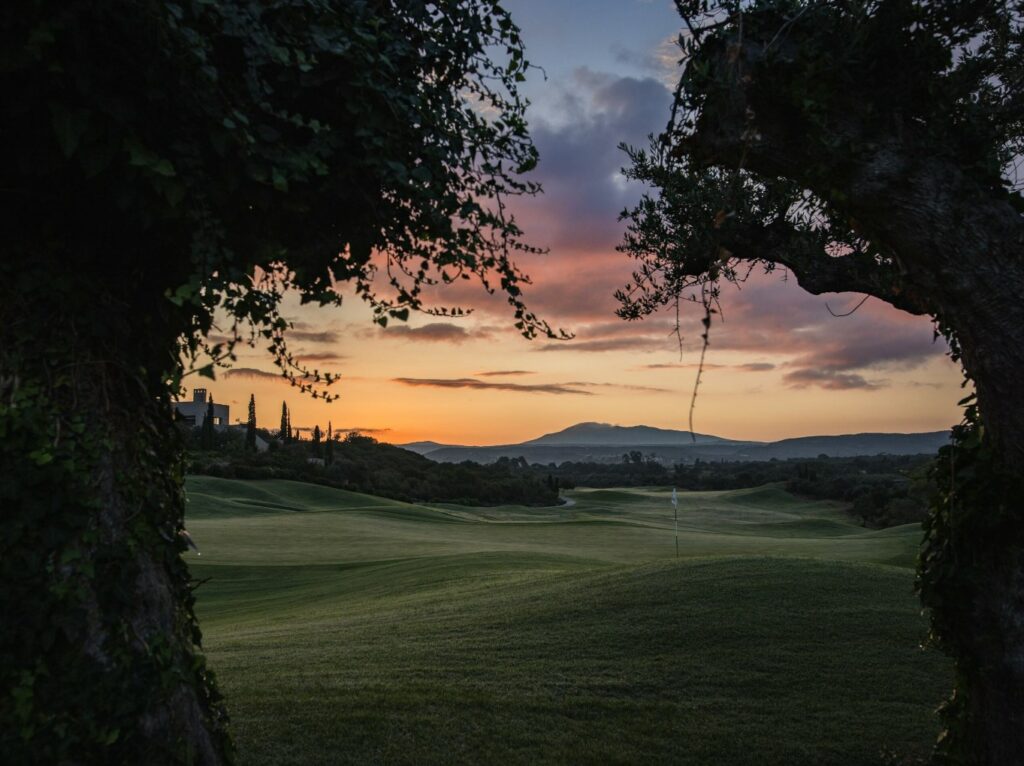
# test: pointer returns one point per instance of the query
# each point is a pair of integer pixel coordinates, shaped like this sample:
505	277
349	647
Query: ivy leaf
164	168
41	456
141	156
69	125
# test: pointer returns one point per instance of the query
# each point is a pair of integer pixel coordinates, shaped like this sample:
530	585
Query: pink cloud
251	373
828	379
434	332
538	388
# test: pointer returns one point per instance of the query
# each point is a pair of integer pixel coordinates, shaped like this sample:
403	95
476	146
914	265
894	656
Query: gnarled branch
780	243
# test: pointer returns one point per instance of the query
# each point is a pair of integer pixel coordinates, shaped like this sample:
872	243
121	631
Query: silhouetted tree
250	426
164	161
206	433
284	434
870	147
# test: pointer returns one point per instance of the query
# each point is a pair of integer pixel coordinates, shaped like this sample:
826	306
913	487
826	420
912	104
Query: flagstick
676	511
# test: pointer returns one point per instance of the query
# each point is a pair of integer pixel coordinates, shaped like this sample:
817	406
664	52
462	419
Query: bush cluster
882	490
362	464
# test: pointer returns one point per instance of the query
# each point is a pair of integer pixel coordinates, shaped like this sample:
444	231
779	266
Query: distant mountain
605	443
851	445
607	435
423	448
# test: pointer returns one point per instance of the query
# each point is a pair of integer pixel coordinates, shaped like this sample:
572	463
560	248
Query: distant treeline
361	464
883	490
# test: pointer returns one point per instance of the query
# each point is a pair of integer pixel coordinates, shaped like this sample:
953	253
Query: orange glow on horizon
780	366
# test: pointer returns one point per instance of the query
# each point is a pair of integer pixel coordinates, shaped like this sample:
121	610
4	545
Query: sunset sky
779	363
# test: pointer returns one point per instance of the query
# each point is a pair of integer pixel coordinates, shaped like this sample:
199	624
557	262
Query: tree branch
803	253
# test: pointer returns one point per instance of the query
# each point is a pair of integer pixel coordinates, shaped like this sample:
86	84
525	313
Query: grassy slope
352	629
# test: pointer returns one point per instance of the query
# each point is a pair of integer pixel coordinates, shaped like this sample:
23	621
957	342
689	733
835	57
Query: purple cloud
539	388
435	332
313	336
252	373
829	379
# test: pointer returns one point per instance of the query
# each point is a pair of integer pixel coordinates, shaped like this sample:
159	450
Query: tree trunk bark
957	241
971	571
100	647
963	247
994	691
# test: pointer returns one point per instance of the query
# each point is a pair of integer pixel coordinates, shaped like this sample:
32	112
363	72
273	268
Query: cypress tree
250	427
283	435
206	435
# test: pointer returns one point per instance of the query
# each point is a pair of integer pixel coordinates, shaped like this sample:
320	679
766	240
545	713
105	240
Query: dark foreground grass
487	652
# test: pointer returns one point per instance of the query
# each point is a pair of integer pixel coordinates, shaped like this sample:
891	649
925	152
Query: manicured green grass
352	629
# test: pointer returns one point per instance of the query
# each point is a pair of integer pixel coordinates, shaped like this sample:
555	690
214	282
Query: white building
194	412
261	444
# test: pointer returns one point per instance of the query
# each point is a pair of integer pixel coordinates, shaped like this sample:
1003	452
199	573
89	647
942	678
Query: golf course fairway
350	629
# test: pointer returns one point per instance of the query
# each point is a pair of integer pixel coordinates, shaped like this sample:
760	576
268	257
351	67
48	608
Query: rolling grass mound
349	629
208	496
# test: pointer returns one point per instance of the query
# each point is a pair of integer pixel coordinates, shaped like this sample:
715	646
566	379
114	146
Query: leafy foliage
871	147
85	664
824	75
362	464
882	490
168	163
257	147
972	510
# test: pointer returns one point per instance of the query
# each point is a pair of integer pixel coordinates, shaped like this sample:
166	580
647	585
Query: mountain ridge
604	442
591	432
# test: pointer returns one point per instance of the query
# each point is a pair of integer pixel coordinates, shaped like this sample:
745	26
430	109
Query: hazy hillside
605	434
350	629
422	448
601	442
851	445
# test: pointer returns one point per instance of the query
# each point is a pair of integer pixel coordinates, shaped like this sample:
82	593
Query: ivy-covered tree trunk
166	162
99	659
961	248
948	241
971	569
960	260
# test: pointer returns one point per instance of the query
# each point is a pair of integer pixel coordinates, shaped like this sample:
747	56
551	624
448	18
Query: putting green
346	628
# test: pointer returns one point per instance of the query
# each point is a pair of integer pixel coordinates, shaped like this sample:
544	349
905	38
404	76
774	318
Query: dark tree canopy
790	127
167	163
250	425
873	147
248	147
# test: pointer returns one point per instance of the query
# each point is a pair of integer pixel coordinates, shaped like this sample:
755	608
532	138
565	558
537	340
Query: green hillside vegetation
347	628
879	490
362	464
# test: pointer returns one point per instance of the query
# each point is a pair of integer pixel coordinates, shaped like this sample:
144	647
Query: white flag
675	498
